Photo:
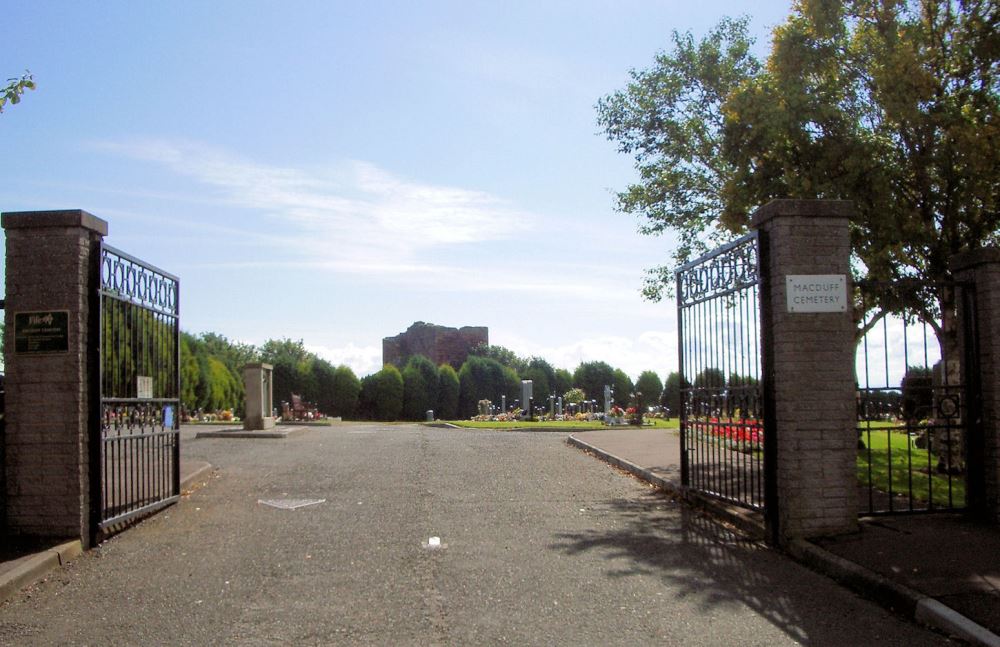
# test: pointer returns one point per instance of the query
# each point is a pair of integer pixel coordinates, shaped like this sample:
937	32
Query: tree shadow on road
705	562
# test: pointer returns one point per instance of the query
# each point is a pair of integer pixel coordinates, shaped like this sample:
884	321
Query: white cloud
363	360
353	213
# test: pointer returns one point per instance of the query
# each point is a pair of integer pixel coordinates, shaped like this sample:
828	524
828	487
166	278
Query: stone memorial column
259	397
50	354
809	366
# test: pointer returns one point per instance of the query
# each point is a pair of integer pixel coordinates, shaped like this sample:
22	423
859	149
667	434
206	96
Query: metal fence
916	401
138	463
719	321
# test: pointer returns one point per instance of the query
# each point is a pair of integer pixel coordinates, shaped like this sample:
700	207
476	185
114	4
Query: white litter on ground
290	504
434	543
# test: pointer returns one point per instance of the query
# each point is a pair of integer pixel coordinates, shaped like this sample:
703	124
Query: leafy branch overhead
11	93
893	105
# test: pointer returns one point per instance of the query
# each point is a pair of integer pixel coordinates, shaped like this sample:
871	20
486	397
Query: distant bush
448	385
420	387
346	390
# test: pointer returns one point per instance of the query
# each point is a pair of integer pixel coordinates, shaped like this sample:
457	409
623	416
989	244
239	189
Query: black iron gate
720	347
918	400
136	459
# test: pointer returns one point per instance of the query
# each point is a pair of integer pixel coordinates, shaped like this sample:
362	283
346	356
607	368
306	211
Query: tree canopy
15	88
893	105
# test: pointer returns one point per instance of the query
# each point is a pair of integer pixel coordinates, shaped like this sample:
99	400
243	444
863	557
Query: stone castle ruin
440	344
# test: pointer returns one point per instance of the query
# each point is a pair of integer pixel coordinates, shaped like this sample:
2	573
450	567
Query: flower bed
741	435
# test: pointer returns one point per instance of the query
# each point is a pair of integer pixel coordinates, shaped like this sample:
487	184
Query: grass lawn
911	467
559	425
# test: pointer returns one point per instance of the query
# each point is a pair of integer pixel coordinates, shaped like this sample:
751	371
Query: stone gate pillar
809	347
49	352
982	267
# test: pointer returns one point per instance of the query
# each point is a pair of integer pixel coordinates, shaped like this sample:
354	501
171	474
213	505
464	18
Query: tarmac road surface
540	545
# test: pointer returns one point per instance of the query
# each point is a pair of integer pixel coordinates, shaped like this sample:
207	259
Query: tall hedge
448	386
420	387
388	393
346	389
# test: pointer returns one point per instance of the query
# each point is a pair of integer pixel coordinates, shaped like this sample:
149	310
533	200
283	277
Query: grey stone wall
811	367
48	395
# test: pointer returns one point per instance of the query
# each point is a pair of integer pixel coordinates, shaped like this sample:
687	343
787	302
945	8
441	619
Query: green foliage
382	394
448	389
503	355
623	389
573	396
671	398
217	388
710	378
650	386
15	88
484	378
420	387
190	374
542	375
917	388
894	106
592	377
563	381
346	389
669	119
322	376
293	372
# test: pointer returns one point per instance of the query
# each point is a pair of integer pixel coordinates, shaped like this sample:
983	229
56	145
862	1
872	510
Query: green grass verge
889	452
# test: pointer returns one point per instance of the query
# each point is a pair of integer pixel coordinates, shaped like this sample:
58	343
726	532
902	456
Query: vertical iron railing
139	380
719	324
917	410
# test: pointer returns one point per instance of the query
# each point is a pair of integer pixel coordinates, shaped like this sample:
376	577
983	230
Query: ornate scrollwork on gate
731	268
129	279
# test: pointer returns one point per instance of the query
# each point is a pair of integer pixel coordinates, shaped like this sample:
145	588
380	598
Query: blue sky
334	171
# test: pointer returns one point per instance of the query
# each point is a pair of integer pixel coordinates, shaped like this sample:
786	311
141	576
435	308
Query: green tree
573	396
448	388
541	373
623	387
710	378
15	89
385	394
650	386
217	389
592	378
917	398
190	374
503	355
420	387
671	398
292	369
562	381
346	390
323	377
670	119
892	105
482	378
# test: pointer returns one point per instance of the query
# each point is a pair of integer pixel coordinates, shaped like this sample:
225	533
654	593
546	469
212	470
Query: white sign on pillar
816	292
